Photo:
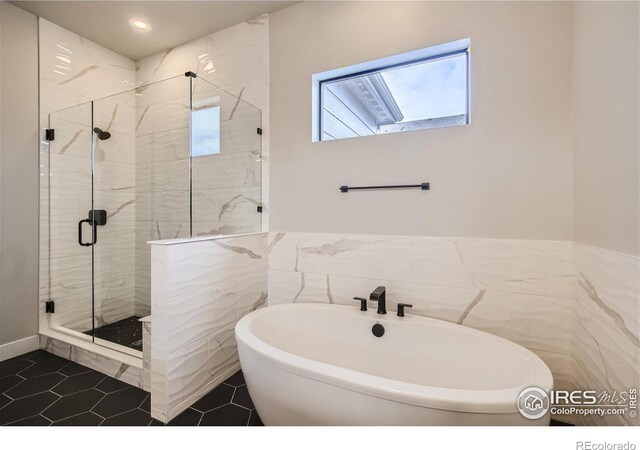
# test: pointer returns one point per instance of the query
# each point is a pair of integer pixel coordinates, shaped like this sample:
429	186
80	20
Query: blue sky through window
431	89
205	131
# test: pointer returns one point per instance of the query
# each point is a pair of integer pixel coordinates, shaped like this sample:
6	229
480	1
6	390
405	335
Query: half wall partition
172	159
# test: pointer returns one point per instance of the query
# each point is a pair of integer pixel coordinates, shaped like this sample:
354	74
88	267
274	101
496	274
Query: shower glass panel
69	276
141	182
172	159
226	162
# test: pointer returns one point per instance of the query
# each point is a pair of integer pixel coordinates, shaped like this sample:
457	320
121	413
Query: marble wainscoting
520	290
129	372
200	288
606	341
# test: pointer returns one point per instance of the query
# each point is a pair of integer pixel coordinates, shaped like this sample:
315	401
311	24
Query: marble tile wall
575	306
74	71
237	61
520	290
227	187
605	339
161	175
200	289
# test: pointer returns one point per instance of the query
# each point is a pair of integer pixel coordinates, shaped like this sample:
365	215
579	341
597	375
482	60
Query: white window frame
434	52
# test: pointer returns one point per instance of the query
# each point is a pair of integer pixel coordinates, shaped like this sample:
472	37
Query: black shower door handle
95	236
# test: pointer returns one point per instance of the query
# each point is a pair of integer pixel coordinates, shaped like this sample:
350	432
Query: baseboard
19	347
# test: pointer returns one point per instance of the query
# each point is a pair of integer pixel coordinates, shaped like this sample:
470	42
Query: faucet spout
379	295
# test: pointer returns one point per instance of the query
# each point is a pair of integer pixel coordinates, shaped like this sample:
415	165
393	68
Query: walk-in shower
167	160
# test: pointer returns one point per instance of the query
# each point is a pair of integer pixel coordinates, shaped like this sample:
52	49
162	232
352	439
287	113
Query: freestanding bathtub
310	364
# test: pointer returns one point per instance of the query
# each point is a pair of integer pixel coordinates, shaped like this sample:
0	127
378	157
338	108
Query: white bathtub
310	364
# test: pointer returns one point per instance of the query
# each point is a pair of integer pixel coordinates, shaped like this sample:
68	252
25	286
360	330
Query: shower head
102	135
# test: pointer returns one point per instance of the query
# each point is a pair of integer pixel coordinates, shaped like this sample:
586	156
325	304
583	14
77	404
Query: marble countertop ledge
203	238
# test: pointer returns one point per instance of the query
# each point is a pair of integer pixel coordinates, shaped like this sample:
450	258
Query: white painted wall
506	175
606	99
18	175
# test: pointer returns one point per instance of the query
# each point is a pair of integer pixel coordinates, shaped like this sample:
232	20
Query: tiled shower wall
161	176
236	60
584	327
74	71
228	187
142	170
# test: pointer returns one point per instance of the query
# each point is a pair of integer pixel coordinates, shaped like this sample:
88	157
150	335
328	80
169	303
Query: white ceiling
173	22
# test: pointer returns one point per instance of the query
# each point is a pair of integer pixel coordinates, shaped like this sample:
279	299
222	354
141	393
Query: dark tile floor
39	388
127	332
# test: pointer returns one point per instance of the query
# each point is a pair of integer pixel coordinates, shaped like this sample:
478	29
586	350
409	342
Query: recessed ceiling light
140	24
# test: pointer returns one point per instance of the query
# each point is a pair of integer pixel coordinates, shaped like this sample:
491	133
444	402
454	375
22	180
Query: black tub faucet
379	295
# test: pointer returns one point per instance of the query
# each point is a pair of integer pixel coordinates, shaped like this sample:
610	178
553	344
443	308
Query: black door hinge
259	131
49	134
259	208
50	307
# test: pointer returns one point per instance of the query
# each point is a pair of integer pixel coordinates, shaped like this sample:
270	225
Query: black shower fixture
102	135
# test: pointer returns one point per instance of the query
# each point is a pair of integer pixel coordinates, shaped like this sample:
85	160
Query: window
427	88
205	131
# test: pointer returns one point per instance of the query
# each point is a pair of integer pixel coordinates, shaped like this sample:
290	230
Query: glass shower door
172	159
68	277
114	202
141	187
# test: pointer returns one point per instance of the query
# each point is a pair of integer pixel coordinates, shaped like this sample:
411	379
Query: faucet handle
401	307
363	303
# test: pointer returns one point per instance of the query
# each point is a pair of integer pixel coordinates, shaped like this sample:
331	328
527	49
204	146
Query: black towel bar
423	186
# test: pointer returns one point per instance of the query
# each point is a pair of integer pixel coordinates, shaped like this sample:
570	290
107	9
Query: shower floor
127	332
